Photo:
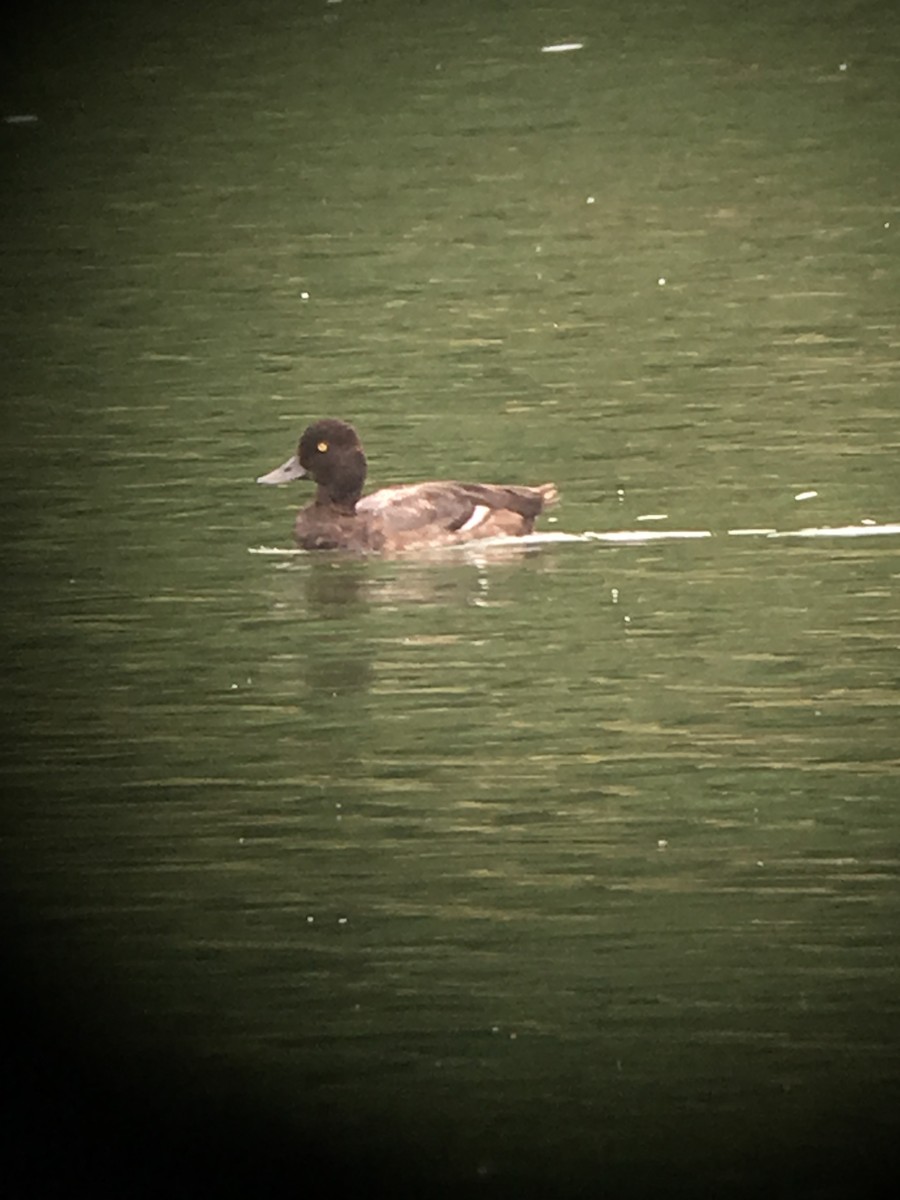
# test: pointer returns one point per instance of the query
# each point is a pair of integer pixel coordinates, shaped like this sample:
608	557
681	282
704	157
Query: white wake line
639	536
841	531
635	536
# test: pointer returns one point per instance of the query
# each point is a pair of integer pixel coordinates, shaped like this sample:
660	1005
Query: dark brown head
332	455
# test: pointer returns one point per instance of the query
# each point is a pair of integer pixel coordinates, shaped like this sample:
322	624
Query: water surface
575	864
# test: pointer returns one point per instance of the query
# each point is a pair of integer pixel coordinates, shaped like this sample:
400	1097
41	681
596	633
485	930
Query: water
572	863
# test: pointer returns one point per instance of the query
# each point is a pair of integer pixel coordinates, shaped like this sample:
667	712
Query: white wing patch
477	518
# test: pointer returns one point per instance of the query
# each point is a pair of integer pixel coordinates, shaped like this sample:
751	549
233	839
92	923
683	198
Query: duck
409	516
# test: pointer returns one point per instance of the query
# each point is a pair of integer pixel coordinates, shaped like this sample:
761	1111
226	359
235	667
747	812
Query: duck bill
285	473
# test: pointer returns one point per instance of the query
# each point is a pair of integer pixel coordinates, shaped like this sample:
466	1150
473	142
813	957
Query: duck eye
322	447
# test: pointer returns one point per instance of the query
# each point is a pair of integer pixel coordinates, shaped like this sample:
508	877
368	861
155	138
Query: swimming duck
404	517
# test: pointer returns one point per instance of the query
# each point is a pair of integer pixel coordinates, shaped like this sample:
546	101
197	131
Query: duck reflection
343	610
334	584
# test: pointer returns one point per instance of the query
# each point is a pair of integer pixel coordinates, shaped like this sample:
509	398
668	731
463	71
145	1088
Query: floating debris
561	47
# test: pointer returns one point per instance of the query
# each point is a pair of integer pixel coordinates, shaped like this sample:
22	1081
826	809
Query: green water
577	864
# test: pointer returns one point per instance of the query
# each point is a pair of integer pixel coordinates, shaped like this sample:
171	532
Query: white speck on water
20	119
615	595
653	517
661	281
590	200
805	495
662	844
868	521
842	67
304	295
561	47
342	920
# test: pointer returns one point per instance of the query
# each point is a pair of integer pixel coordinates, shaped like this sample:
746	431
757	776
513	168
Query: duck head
331	454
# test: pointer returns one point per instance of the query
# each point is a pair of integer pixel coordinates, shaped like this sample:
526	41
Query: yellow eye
322	447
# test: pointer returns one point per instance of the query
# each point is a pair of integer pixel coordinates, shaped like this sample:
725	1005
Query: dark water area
568	867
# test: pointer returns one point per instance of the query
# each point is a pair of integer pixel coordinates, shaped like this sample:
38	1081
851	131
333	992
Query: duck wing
467	509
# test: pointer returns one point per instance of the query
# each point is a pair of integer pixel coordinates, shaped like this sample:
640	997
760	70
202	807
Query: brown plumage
404	517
